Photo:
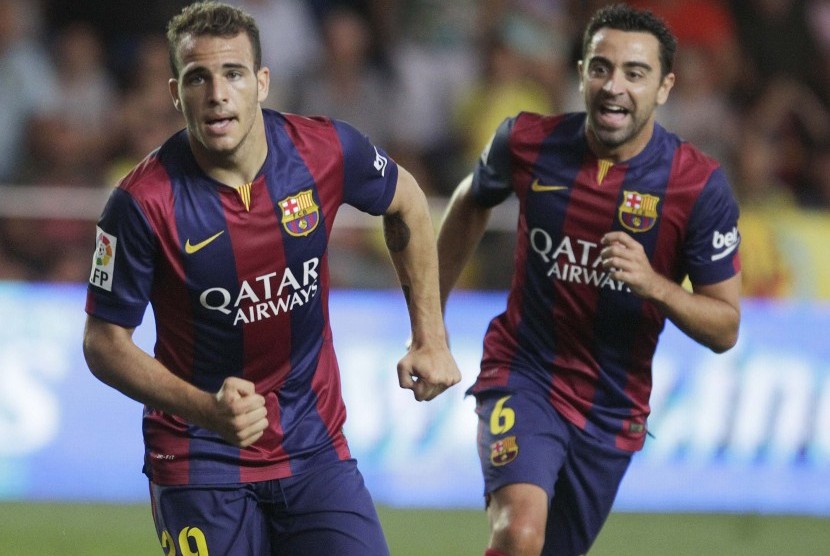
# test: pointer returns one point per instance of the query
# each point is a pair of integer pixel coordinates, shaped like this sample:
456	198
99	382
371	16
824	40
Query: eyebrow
628	65
202	69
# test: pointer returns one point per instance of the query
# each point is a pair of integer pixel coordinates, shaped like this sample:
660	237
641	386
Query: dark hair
625	18
214	19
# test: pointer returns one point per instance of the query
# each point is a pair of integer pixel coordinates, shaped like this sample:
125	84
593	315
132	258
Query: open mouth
218	125
612	115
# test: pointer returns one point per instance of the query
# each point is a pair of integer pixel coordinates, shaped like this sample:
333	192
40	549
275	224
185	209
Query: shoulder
298	124
151	175
685	154
144	177
530	127
312	132
297	121
530	120
687	166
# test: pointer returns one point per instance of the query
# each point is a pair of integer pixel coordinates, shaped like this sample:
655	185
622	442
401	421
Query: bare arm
236	412
461	230
428	369
710	315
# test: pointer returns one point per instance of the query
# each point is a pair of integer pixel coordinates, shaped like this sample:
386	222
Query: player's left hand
428	370
625	259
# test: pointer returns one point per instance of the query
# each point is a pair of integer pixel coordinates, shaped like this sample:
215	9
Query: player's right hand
428	371
240	416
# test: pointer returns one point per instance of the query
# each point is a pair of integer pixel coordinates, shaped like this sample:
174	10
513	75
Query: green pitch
98	530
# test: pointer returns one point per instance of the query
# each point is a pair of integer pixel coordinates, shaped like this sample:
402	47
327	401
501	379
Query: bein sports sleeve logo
726	243
103	261
380	162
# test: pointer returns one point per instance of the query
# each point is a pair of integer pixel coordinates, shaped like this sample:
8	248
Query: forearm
116	361
410	239
710	315
707	319
462	228
427	368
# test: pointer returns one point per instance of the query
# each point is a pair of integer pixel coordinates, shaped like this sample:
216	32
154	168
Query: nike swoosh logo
192	248
539	188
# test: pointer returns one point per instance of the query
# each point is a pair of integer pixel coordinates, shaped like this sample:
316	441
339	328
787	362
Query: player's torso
240	289
566	315
244	268
569	200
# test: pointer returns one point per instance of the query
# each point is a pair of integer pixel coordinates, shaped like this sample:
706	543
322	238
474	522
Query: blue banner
746	431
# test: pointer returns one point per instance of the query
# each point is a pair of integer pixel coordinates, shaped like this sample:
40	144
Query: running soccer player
614	212
224	230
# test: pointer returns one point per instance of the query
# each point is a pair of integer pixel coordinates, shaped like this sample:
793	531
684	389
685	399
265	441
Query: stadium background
740	462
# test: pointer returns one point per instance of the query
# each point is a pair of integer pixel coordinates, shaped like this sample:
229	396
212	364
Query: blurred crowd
83	87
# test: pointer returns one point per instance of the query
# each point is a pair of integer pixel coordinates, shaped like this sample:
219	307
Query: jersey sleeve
491	178
122	265
713	237
370	175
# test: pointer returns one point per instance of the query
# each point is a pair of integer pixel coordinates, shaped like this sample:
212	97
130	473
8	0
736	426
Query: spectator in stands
507	84
816	193
433	52
792	117
70	141
148	116
291	43
701	110
708	25
346	84
27	81
777	42
68	145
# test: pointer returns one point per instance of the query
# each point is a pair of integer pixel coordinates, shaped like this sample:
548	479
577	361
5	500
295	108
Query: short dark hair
214	19
625	18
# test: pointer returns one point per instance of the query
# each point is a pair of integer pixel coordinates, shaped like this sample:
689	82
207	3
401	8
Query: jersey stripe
314	142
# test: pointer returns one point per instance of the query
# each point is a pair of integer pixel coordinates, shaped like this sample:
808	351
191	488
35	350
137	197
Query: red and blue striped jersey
569	328
238	282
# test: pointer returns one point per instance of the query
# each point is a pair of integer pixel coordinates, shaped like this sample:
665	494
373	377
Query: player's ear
173	86
263	78
665	87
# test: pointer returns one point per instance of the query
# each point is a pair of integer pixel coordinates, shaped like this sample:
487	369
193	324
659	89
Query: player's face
621	85
219	93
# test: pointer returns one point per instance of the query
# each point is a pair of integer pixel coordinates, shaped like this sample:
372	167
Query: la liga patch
103	260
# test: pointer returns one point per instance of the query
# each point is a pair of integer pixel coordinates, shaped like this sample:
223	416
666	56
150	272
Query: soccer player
223	230
614	212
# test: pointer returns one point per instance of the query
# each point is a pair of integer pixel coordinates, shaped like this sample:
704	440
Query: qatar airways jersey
238	282
569	328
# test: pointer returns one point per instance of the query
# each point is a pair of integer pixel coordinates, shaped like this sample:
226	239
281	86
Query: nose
612	83
217	91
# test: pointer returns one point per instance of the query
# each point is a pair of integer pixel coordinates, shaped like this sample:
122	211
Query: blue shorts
523	439
319	513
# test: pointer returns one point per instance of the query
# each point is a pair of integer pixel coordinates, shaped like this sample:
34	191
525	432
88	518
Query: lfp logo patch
638	211
103	261
300	214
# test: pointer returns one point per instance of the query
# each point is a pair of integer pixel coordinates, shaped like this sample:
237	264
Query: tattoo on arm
396	232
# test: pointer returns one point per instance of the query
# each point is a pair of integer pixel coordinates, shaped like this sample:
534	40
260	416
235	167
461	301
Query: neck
241	165
626	150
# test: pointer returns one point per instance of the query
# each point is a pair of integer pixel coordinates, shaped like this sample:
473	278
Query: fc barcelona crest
638	211
300	214
504	451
